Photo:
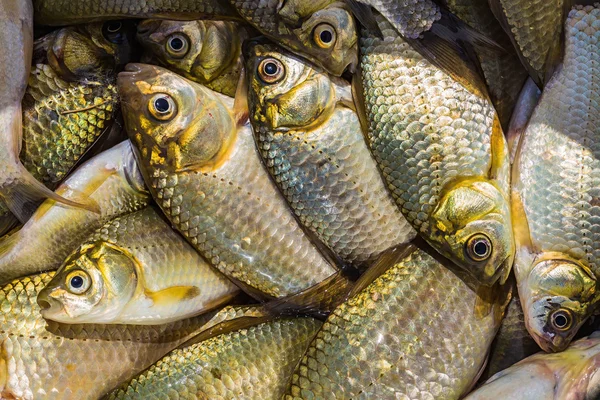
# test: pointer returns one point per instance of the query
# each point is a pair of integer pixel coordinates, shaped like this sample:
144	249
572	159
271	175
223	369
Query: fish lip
48	305
147	26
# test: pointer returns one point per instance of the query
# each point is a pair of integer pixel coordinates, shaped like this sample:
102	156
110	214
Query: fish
503	72
202	167
441	150
571	374
252	363
323	31
64	12
112	179
528	99
311	140
399	336
207	52
18	188
513	342
555	194
47	360
135	269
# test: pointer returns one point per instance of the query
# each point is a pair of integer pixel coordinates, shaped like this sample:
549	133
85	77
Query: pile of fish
294	199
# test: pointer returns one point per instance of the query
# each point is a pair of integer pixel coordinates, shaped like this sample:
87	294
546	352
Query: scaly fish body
400	337
112	179
323	31
571	374
46	360
207	52
65	12
253	363
556	190
313	146
441	150
409	17
134	270
207	177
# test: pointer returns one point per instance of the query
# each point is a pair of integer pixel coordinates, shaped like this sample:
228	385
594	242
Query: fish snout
147	27
48	304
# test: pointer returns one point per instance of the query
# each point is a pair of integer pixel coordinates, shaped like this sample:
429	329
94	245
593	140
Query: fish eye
78	282
112	31
479	247
162	107
271	70
324	36
561	319
177	45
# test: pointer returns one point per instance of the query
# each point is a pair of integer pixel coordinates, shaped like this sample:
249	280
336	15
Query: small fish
420	330
440	148
207	52
571	374
252	363
43	359
323	31
310	139
111	179
134	270
556	193
202	167
66	12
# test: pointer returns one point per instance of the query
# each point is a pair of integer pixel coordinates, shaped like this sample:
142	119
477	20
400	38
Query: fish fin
7	223
524	107
241	110
318	300
8	243
172	295
359	103
499	150
364	14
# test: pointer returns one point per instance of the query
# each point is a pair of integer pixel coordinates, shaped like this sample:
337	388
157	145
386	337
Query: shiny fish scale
53	141
344	201
253	363
425	129
559	167
534	24
401	337
46	360
409	17
214	210
261	13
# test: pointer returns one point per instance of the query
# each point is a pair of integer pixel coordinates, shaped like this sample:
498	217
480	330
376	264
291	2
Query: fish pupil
76	282
161	105
176	44
480	248
326	36
271	68
560	320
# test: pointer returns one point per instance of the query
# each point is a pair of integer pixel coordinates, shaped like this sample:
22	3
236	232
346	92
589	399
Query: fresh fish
311	141
111	179
442	153
46	360
417	331
18	188
134	270
556	193
513	342
504	74
528	99
252	363
207	52
323	31
571	374
66	12
207	176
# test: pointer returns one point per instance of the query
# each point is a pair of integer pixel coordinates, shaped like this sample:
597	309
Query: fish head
557	298
76	52
174	123
93	285
284	91
200	50
472	227
327	36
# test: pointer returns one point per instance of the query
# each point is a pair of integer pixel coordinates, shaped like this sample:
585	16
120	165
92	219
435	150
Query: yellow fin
172	295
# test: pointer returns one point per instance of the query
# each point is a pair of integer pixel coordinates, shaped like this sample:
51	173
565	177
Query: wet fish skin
571	374
137	270
253	363
112	179
399	337
210	52
555	194
528	99
65	12
298	26
311	141
442	153
46	360
409	17
207	177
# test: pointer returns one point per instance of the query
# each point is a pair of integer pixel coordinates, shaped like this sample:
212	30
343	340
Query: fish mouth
132	74
147	27
48	305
